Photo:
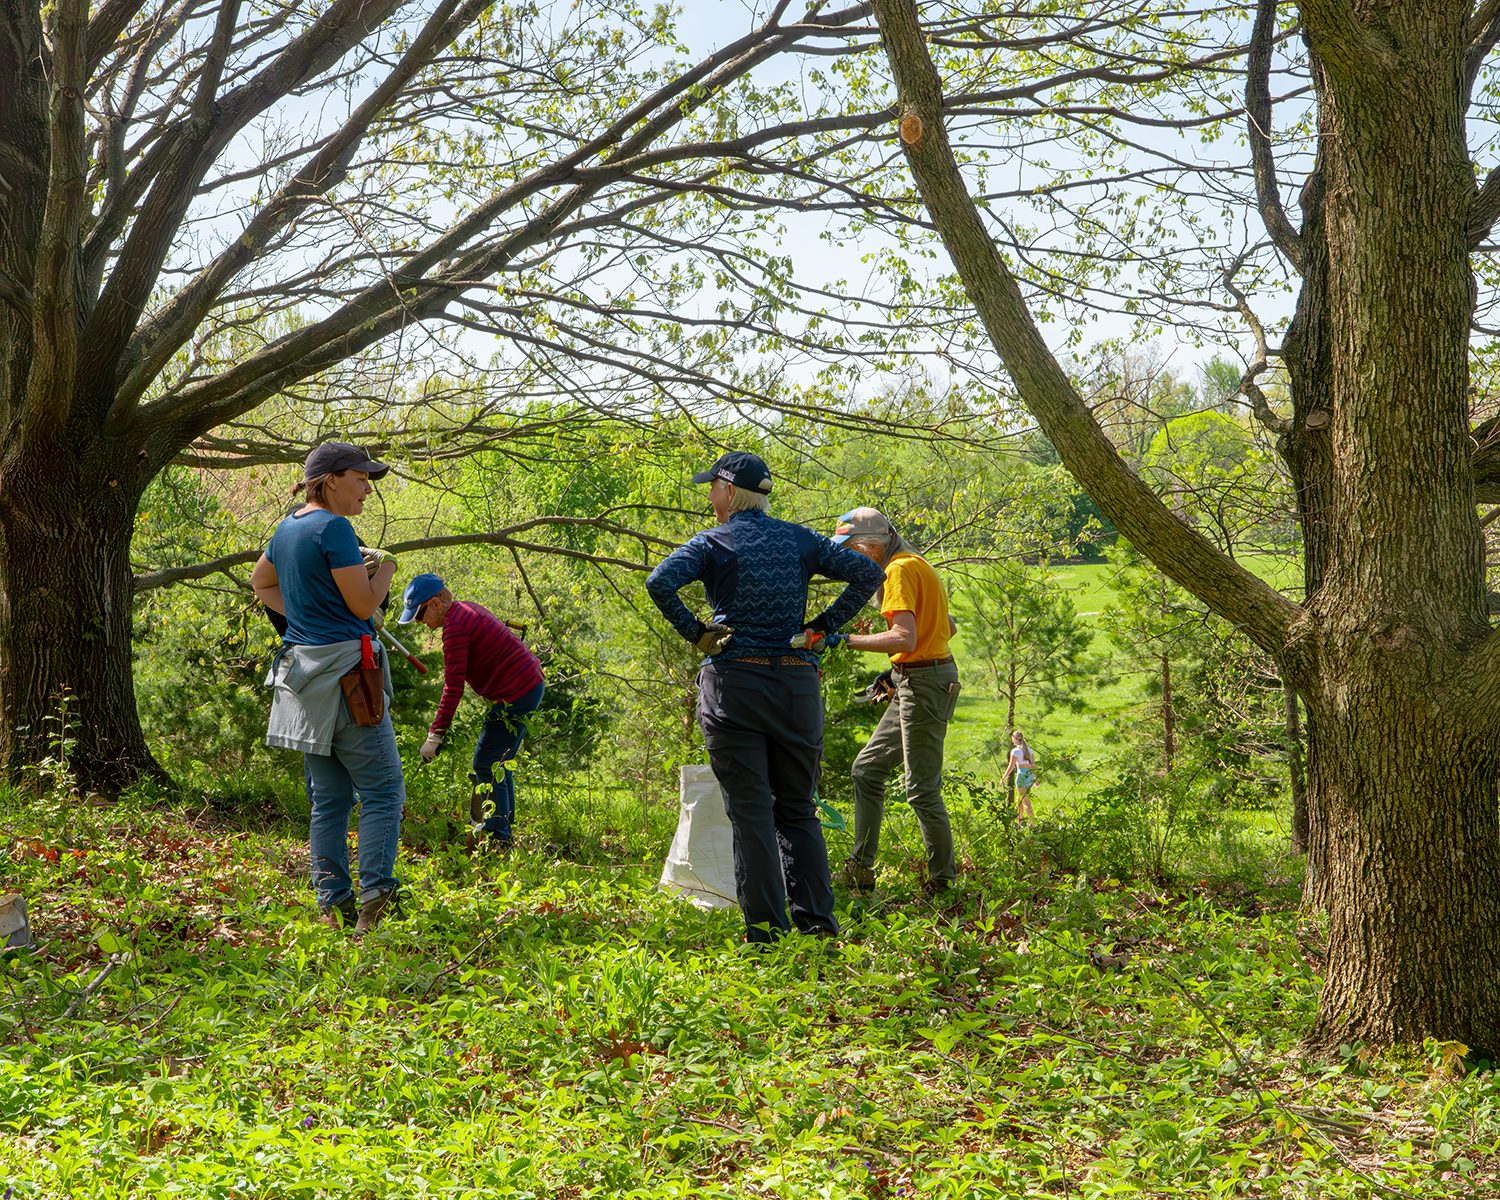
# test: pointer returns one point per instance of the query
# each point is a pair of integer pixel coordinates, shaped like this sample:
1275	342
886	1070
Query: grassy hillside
554	1027
978	728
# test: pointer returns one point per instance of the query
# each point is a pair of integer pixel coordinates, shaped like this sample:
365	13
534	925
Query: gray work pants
912	731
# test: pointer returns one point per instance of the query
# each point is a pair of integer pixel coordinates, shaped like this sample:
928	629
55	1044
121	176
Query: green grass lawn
1073	748
542	1026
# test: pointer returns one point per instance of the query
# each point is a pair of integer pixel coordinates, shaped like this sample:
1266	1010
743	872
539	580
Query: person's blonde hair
315	486
744	500
876	545
1016	733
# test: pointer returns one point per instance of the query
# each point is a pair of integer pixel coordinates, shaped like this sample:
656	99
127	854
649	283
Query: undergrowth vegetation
550	1024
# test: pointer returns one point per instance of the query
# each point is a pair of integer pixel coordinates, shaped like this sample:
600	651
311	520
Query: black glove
883	688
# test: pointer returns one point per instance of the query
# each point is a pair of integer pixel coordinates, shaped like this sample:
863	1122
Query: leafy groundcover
543	1028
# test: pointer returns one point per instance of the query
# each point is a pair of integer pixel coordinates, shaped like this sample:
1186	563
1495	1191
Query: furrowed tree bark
1391	651
65	616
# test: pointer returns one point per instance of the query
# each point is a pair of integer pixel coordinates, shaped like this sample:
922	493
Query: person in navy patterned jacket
759	701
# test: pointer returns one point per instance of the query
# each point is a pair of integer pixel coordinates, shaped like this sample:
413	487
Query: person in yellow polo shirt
923	689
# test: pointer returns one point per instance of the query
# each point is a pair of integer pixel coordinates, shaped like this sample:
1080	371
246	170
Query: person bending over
480	650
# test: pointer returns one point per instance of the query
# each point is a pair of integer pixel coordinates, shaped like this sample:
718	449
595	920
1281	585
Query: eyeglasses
422	608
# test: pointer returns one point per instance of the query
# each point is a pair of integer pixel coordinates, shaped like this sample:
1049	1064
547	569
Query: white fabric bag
700	864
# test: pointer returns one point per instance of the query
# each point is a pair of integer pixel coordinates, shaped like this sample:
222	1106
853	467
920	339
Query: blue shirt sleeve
862	575
340	545
674	572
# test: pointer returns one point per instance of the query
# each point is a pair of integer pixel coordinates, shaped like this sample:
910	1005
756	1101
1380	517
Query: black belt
766	660
921	662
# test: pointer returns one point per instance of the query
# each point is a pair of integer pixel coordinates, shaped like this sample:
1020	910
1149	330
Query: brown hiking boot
856	877
481	800
342	915
945	893
371	911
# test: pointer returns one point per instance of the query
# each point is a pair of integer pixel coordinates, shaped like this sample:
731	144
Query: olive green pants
911	732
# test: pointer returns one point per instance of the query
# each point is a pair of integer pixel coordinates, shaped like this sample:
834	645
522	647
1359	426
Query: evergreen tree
1020	624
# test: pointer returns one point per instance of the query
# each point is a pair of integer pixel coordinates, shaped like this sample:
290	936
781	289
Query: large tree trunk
1406	854
65	618
1409	852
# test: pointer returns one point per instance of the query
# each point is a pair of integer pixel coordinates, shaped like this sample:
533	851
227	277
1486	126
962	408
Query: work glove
375	559
378	619
431	746
713	637
818	641
883	688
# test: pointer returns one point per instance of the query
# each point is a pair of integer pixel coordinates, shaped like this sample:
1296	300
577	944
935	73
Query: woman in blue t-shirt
315	574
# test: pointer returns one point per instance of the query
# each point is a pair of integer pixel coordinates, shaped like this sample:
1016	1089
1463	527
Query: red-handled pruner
410	657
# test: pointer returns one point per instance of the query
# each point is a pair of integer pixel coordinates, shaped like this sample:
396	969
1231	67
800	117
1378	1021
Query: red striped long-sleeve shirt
479	649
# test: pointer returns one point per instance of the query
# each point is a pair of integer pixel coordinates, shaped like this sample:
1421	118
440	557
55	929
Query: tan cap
862	522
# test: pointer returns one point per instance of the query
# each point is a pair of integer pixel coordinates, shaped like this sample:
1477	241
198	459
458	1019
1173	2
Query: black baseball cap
741	468
341	456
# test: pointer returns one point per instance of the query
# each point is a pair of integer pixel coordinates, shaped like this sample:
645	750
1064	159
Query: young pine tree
1020	624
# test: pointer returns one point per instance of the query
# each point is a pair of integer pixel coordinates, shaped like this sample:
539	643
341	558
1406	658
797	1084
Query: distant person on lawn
479	649
925	682
1022	764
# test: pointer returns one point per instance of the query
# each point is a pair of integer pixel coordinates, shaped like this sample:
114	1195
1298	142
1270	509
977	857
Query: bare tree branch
1259	405
213	66
155	343
55	298
501	537
188	154
1258	113
1483	210
105	26
1483	32
16	296
126	187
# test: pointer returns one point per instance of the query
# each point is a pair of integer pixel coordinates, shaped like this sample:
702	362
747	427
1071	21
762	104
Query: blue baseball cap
418	592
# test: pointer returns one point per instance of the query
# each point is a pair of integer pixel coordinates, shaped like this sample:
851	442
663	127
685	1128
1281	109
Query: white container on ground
14	930
700	864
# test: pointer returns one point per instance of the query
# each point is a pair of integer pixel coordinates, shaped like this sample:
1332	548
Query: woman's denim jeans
499	742
364	762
